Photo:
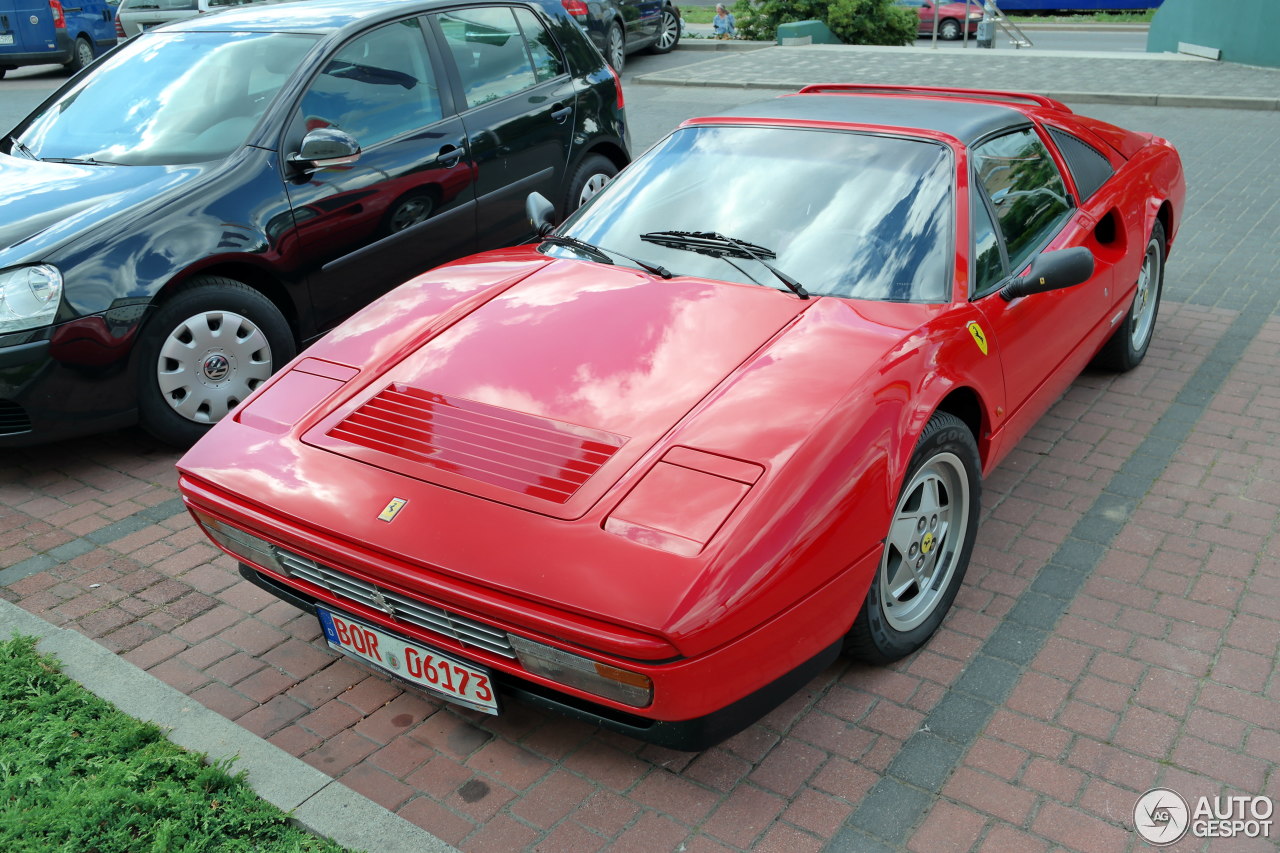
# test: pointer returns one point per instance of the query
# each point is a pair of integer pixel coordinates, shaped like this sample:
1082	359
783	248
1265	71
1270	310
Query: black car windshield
168	98
847	214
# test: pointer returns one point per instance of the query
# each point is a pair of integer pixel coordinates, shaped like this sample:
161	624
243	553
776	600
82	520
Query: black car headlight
29	297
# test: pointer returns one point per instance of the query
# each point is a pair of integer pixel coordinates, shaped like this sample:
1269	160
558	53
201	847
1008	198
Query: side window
1026	190
490	53
988	266
376	87
542	47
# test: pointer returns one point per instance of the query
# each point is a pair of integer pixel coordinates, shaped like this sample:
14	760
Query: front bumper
67	380
690	735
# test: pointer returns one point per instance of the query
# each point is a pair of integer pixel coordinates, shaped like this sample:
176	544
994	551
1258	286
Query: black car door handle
560	113
449	156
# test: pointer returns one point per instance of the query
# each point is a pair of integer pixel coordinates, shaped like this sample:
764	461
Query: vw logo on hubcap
216	367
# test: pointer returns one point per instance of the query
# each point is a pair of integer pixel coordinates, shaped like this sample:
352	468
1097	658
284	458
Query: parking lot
1117	630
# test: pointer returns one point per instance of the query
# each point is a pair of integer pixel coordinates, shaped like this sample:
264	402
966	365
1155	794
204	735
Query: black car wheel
1127	346
668	32
203	352
592	175
615	47
81	55
949	29
927	549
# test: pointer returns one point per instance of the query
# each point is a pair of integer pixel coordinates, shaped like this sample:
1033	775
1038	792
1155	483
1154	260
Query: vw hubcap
211	362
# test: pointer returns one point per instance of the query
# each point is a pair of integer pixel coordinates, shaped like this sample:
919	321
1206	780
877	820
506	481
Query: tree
853	21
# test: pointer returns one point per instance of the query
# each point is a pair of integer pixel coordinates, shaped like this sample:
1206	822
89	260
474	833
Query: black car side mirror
541	213
1052	271
324	148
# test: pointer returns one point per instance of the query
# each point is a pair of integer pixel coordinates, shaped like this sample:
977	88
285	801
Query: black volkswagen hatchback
178	220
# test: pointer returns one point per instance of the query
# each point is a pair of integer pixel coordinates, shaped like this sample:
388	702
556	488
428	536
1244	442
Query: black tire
942	491
615	47
1128	344
668	32
949	29
203	352
81	55
593	173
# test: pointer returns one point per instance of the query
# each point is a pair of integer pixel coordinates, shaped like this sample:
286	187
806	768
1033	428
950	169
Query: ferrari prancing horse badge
390	510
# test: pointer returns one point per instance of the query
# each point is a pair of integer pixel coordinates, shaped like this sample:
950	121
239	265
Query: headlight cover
29	297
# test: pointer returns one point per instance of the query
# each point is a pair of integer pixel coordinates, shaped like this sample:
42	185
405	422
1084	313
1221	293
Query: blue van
44	32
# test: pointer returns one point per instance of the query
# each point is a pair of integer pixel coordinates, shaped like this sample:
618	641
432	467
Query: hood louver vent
531	455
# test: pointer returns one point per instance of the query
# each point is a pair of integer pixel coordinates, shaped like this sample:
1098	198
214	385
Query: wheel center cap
926	543
216	367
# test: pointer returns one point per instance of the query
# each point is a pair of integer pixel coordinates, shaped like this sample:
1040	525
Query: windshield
169	98
847	214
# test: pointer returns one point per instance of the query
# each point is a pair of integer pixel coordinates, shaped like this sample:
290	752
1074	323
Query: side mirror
540	213
1052	271
324	148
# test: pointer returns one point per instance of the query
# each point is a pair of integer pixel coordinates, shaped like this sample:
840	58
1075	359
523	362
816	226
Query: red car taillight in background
59	19
618	82
576	8
120	33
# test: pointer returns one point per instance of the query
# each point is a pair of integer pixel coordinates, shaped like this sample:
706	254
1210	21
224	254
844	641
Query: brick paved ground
1118	628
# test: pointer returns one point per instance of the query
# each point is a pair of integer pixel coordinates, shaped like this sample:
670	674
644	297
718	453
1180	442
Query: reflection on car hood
43	204
573	373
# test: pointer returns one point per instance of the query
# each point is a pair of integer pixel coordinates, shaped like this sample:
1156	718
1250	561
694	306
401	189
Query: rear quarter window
1088	166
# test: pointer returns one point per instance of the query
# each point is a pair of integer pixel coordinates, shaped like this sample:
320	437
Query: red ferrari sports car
731	418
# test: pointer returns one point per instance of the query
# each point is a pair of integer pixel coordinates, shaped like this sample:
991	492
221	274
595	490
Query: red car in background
951	17
660	468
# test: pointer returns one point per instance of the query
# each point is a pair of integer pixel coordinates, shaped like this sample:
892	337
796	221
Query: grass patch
78	775
1096	17
698	14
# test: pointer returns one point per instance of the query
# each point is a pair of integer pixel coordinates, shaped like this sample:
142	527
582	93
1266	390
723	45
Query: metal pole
935	24
967	4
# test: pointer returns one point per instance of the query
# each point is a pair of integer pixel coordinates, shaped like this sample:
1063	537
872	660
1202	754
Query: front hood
42	204
544	396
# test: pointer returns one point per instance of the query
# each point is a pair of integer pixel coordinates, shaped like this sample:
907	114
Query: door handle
560	113
449	156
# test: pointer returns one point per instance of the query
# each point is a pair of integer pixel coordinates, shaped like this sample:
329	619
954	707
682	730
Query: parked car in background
620	27
135	16
951	17
216	193
46	32
730	419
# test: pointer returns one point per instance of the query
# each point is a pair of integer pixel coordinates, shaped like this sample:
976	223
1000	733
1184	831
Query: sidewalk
1117	630
1137	79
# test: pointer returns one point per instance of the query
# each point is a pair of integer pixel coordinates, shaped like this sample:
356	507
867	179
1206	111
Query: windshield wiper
602	255
78	161
719	246
16	144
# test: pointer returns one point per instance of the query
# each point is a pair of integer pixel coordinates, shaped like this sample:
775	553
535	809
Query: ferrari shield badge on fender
393	506
979	337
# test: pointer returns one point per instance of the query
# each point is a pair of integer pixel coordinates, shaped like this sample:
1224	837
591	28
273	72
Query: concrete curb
318	803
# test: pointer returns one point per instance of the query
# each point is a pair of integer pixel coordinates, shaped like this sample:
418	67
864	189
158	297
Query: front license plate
6	38
456	681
